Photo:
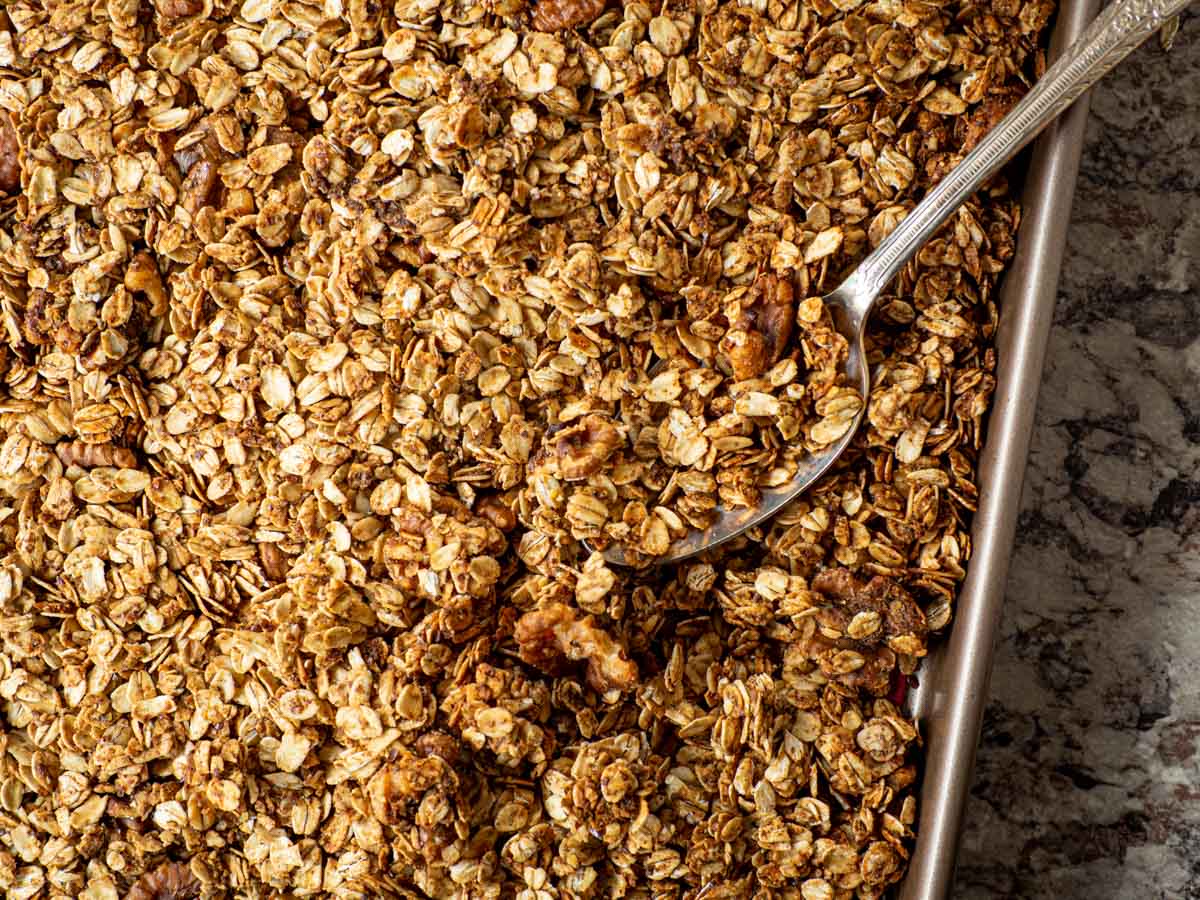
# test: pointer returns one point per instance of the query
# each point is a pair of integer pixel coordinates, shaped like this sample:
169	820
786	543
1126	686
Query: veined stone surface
1088	779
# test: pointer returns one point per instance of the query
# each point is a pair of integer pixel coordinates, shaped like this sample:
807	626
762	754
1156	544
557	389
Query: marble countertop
1088	779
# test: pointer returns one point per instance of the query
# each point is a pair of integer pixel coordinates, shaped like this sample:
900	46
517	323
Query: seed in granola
274	562
87	456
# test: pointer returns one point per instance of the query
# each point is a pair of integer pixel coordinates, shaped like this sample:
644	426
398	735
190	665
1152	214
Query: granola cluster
330	330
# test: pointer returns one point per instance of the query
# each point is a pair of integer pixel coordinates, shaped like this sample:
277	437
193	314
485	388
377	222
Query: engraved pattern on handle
1115	32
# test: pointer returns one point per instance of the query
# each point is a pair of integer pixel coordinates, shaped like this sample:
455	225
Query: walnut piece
10	156
552	634
904	625
582	448
178	9
760	326
556	15
170	881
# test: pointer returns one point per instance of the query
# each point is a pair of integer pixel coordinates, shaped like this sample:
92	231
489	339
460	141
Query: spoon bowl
848	311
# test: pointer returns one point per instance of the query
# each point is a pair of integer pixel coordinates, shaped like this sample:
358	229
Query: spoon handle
1116	31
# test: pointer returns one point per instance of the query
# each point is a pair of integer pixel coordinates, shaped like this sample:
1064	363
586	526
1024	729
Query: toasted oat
331	329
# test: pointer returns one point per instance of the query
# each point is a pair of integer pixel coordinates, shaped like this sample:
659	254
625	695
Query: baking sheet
953	691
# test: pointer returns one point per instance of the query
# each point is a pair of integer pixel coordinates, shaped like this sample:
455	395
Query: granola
331	331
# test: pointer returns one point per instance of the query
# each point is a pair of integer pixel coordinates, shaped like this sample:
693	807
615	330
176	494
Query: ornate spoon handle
1109	39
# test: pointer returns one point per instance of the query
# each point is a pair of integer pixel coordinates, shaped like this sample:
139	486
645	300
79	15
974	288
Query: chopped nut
178	9
552	634
10	156
170	881
581	449
555	15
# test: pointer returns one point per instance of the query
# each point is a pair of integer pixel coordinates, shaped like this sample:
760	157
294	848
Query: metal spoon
1118	29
